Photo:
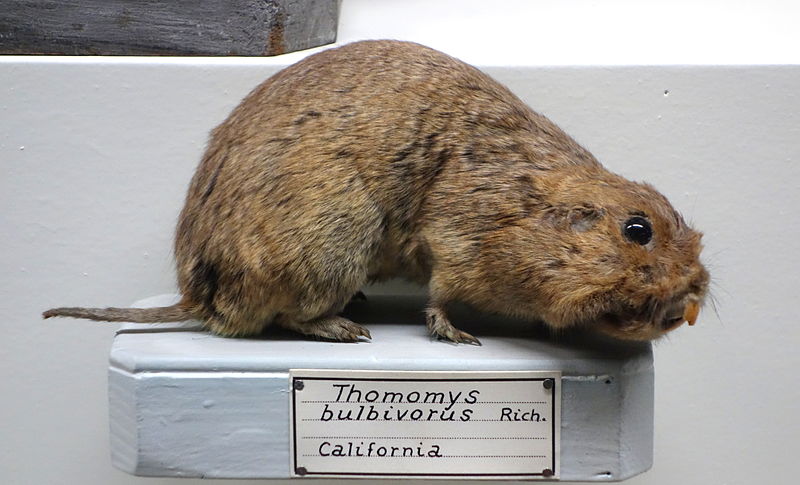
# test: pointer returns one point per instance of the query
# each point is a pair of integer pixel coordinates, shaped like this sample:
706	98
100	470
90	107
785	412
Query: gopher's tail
174	313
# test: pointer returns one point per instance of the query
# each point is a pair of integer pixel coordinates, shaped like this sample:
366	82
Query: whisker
653	310
715	284
715	306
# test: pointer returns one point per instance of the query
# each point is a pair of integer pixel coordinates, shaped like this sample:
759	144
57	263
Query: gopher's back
327	174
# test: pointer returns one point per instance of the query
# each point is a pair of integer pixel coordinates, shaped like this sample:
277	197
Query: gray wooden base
185	403
166	27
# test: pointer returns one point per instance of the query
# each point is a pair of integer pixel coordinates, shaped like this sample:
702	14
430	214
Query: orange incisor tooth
691	311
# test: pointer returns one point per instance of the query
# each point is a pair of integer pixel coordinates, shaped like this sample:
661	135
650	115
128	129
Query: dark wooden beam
167	27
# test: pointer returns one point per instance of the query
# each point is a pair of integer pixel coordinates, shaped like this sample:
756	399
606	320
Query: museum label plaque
395	424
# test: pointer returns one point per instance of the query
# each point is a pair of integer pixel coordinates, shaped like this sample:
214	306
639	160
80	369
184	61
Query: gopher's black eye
638	230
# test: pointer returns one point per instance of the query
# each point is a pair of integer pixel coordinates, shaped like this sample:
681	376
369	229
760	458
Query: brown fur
386	159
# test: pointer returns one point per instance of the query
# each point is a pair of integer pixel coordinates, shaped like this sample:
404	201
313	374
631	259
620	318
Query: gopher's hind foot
334	328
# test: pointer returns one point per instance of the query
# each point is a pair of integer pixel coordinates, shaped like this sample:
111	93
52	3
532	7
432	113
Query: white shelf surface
186	403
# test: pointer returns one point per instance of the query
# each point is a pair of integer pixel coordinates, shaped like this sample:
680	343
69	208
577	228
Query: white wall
96	155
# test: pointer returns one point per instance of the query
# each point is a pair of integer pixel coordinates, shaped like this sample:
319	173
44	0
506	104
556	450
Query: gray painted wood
184	403
170	27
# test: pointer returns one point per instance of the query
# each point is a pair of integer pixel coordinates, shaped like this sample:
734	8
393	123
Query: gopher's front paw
440	326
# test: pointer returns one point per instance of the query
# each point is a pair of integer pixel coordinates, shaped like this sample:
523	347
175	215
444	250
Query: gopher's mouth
684	311
652	321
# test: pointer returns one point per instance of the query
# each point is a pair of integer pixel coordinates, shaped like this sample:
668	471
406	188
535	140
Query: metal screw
298	386
301	470
548	383
547	472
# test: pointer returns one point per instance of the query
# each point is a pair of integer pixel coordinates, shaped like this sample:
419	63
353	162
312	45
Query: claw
466	338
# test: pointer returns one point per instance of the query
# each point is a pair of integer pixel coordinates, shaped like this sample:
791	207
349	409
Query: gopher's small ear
582	218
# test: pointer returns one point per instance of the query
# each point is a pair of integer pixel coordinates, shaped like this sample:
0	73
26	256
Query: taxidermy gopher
384	159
